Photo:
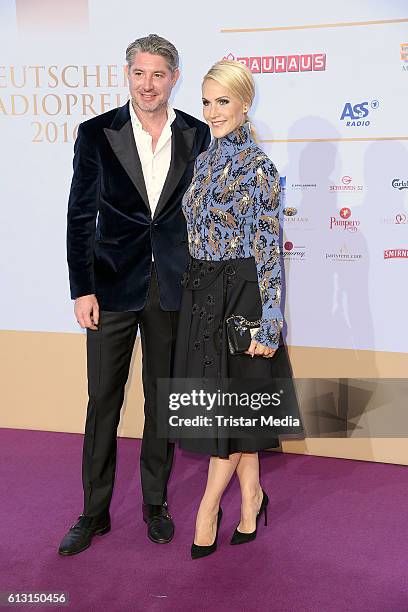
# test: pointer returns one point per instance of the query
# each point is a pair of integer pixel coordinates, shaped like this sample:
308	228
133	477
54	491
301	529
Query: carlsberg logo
399	184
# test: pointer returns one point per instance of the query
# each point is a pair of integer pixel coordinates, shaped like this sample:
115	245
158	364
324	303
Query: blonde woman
231	209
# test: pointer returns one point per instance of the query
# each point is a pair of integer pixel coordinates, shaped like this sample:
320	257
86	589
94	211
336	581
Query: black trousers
109	353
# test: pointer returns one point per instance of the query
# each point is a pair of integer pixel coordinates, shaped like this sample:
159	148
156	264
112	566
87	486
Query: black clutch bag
240	332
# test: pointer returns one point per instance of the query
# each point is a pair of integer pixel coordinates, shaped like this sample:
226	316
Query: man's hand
86	311
256	348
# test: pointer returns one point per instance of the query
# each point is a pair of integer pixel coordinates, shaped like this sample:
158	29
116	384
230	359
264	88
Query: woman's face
223	111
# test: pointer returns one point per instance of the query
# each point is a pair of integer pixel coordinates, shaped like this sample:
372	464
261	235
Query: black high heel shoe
203	551
241	538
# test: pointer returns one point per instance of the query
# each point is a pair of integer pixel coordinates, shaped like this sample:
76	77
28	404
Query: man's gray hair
157	46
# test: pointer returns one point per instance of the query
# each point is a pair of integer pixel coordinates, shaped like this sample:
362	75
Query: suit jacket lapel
122	141
181	145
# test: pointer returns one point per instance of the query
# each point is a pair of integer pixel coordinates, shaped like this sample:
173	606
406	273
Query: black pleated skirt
213	291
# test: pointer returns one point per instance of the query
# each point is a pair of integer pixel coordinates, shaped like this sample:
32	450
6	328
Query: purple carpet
337	538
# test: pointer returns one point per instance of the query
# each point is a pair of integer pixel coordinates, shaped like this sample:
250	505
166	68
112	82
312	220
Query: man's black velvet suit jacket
111	233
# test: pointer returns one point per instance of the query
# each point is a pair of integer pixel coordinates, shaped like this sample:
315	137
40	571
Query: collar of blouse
234	142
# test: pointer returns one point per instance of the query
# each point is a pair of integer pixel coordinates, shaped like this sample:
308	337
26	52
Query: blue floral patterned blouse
232	211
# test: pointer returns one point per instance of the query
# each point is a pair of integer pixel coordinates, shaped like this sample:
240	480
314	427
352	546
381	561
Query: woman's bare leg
251	491
220	472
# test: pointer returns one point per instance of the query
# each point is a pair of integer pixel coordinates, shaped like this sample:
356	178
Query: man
127	250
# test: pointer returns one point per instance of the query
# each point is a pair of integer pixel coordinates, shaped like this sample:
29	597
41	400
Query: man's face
150	82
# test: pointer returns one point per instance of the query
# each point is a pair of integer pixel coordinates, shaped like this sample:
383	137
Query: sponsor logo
404	56
290	211
396	254
343	221
355	115
398	219
343	254
292	218
303	186
268	64
399	184
346	185
291	251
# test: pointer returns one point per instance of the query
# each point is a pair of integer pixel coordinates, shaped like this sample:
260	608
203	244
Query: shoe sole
100	532
160	541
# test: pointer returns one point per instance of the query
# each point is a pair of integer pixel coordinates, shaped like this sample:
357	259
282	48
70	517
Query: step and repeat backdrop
330	110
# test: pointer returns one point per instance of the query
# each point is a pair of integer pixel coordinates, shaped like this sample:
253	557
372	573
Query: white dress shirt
155	164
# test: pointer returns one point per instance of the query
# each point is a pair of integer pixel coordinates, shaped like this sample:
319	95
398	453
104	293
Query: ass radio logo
355	115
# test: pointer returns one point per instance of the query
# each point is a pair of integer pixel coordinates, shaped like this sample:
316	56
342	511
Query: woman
231	209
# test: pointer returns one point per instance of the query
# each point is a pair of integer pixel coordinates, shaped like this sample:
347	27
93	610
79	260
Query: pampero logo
399	184
396	254
344	222
355	115
269	64
347	185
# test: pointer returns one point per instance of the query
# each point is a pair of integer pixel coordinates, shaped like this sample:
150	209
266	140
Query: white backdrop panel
340	290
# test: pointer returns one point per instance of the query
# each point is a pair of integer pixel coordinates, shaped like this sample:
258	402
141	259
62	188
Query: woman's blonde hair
237	78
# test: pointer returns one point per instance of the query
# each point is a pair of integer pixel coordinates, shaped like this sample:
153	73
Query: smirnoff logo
307	62
396	254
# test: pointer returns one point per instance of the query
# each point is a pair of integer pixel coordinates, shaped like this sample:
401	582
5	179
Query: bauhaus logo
269	64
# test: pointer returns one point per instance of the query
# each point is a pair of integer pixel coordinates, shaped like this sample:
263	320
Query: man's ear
176	75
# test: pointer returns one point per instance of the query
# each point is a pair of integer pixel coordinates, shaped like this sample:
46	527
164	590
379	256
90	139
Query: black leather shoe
160	526
79	537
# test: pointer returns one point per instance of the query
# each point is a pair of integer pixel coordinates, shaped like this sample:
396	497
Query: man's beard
148	109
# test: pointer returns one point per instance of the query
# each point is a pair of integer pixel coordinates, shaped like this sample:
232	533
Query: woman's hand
260	349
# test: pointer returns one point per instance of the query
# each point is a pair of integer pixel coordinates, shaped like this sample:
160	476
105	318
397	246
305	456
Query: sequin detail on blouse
232	211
